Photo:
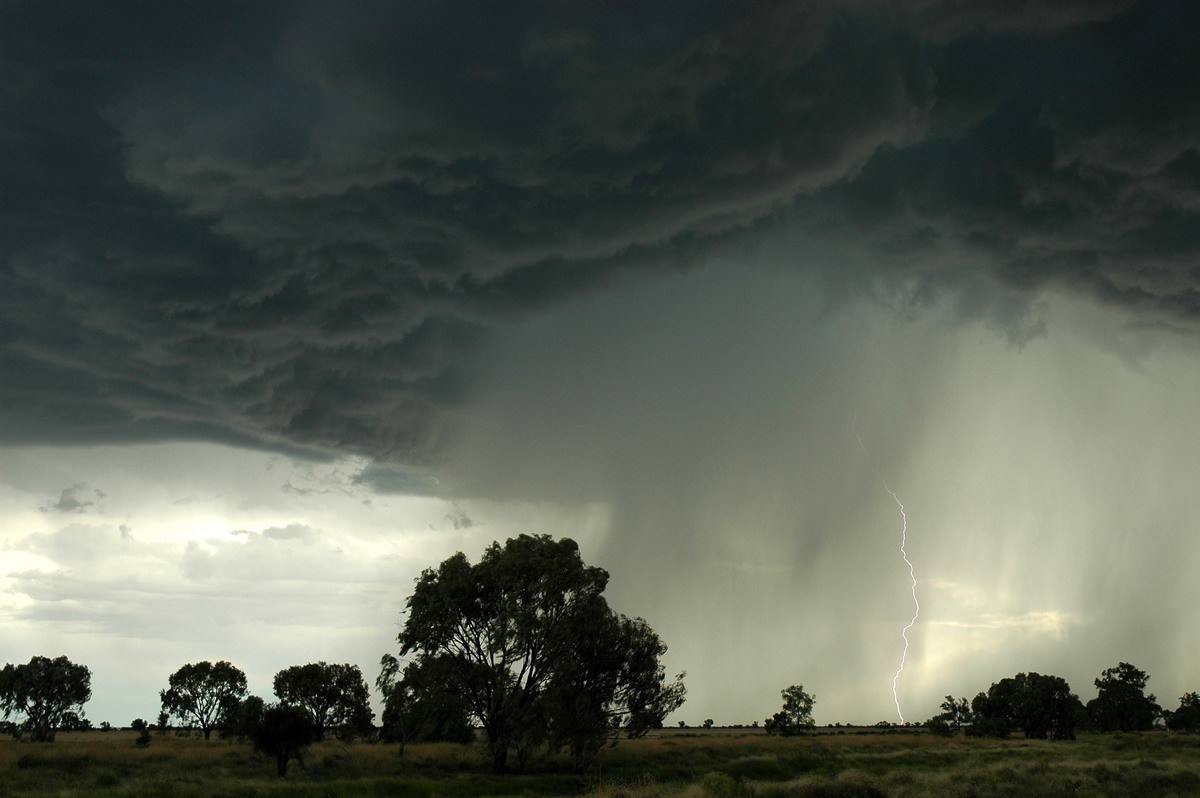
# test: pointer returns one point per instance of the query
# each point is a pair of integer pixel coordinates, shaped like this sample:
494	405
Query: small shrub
939	726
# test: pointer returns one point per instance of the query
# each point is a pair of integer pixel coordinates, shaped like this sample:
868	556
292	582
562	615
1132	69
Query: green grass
718	764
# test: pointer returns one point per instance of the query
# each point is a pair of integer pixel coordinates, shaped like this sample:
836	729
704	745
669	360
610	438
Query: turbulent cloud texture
639	273
294	225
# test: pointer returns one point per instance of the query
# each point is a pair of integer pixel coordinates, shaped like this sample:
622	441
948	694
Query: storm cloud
639	273
295	225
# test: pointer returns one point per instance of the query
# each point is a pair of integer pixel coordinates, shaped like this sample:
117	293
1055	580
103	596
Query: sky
298	299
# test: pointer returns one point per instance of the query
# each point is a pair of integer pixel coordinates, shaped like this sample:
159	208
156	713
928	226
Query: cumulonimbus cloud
294	227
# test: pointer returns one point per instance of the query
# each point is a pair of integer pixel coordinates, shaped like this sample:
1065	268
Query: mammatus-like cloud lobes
295	226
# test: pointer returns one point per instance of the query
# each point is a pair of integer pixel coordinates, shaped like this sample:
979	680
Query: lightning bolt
912	574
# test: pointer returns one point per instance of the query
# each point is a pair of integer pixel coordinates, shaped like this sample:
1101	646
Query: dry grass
729	764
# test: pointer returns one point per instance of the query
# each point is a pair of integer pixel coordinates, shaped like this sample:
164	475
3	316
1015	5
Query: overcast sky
297	299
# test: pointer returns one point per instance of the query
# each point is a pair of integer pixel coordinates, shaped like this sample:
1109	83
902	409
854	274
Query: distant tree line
523	648
1041	707
521	645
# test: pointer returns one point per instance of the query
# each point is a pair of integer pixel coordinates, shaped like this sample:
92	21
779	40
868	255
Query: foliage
939	726
1187	716
50	693
204	693
796	715
335	695
243	718
955	714
143	729
414	711
284	732
1037	705
1122	704
526	640
74	721
957	711
608	679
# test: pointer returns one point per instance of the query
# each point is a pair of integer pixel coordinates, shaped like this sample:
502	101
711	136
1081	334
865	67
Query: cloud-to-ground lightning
912	574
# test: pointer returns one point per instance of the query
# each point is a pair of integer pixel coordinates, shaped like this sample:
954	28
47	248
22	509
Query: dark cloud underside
293	225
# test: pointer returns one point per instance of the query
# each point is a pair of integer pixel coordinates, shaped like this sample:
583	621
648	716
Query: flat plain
723	763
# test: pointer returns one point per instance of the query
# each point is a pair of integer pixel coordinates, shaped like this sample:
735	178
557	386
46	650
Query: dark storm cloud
1067	160
293	225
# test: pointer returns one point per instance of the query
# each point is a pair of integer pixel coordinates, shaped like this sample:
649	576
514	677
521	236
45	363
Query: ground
690	763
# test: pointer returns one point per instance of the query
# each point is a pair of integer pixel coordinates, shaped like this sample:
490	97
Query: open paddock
692	763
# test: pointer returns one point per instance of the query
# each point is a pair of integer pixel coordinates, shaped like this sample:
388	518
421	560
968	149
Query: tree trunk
499	759
498	744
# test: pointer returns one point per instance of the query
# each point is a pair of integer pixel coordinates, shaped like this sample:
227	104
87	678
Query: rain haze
298	299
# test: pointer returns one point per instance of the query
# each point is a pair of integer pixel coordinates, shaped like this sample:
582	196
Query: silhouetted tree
75	722
955	714
143	729
335	696
608	680
957	711
48	692
1122	704
415	710
204	693
1187	717
1039	706
284	733
501	634
796	715
939	726
242	719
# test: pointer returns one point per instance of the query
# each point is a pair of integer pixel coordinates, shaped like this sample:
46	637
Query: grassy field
685	763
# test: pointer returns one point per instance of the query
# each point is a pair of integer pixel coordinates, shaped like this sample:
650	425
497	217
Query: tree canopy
335	695
796	715
1037	705
50	693
1122	703
204	693
1187	716
415	710
956	713
527	641
283	732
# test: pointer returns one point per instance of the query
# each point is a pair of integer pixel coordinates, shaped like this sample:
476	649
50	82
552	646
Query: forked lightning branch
912	574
